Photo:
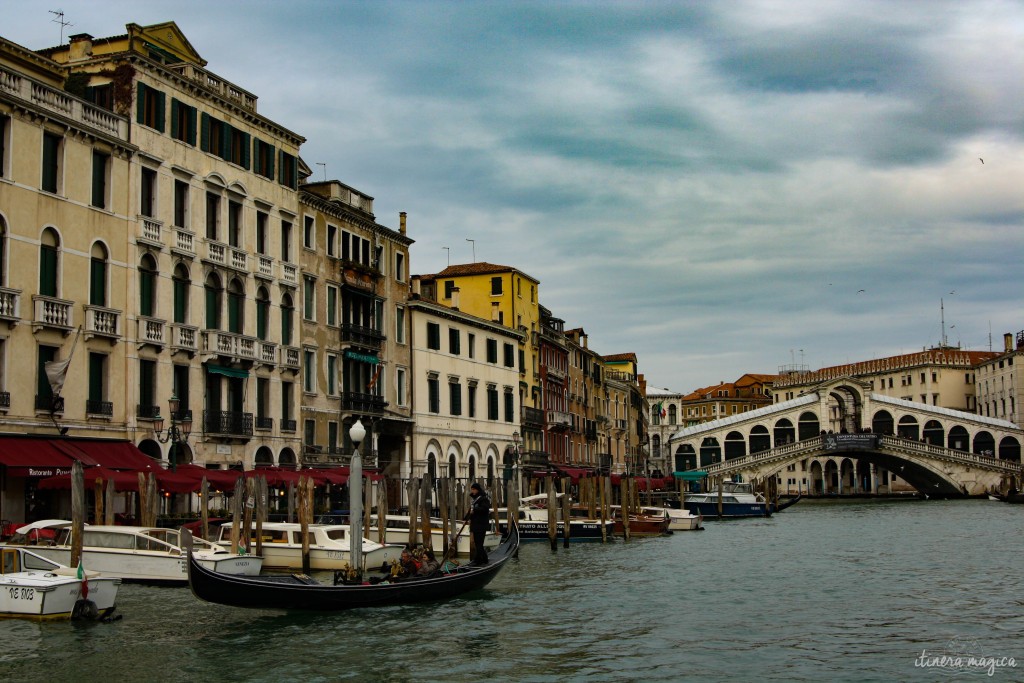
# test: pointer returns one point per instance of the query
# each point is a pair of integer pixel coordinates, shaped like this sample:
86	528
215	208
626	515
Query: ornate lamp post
355	493
176	433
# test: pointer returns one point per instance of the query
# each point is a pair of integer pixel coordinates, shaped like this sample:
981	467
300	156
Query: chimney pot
401	222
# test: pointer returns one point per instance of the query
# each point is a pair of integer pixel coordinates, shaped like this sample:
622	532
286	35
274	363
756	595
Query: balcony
267	352
184	338
239	260
59	102
363	336
556	373
559	419
50	403
356	402
229	344
264	424
151	231
536	459
288	425
102	322
359	277
217	252
10	300
184	242
147	412
101	408
290	357
290	274
151	331
5	400
533	416
51	312
264	267
227	423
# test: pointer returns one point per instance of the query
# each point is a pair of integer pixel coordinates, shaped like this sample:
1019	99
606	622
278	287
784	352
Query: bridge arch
958	438
817	480
1009	449
909	428
882	422
934	433
809	425
845	405
784	432
735	446
984	443
759	439
847	476
686	458
710	451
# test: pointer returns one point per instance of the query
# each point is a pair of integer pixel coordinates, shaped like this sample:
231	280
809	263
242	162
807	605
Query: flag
82	577
56	373
376	376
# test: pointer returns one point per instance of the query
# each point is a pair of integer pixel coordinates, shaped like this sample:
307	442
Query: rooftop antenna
60	20
942	315
474	248
449	250
320	163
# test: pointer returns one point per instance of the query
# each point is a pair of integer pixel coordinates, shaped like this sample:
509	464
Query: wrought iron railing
227	422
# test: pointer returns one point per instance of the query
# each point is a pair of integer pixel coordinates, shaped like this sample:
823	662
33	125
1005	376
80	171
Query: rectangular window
212	215
261	232
308	371
181	387
262	398
471	345
346	249
309	233
5	125
239	151
495	285
308	298
100	168
449	287
510	406
44	394
234	224
471	400
400	325
332	375
492	351
287	406
183	122
433	395
400	267
150	105
455	398
181	203
492	402
286	241
332	305
147	383
263	158
97	377
510	356
433	336
309	432
400	386
147	193
52	147
289	171
332	238
454	341
332	437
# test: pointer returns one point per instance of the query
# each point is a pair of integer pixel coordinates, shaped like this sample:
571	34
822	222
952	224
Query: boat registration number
18	593
335	555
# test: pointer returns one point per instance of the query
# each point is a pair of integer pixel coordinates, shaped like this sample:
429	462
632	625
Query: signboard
37	471
364	357
851	442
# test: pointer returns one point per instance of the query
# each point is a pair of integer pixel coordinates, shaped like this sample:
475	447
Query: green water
829	591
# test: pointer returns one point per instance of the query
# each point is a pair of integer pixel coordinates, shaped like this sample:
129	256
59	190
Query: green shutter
43	389
99	179
180	294
140	102
211	308
175	106
161	106
47	271
294	180
270	160
145	292
96	376
98	283
146	382
204	140
225	140
51	148
191	126
261	319
245	151
234	313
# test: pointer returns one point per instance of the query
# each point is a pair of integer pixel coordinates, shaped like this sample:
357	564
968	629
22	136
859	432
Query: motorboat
135	554
738	499
650	521
34	587
301	592
533	522
396	530
681	519
329	546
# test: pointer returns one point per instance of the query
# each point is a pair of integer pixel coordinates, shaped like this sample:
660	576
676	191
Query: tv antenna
449	250
474	248
60	20
320	163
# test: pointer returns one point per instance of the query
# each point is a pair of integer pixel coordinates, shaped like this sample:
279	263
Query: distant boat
329	546
396	530
738	500
533	522
300	592
34	587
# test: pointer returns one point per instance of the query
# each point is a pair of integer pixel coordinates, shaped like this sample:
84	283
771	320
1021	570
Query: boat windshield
336	534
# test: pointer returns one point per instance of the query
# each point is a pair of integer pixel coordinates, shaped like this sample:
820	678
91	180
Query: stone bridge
841	438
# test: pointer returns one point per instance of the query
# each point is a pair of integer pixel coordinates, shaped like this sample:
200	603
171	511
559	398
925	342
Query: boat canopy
691	475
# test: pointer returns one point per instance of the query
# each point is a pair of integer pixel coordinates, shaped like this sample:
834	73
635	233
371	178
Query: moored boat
533	522
329	546
137	554
396	531
34	587
649	522
300	592
738	499
681	519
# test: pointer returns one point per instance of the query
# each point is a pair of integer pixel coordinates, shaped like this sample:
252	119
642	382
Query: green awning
364	357
227	372
691	475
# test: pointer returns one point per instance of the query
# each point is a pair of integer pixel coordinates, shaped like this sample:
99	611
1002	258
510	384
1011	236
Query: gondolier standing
479	518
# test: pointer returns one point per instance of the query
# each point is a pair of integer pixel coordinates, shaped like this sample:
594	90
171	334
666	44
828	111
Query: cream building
1000	382
465	400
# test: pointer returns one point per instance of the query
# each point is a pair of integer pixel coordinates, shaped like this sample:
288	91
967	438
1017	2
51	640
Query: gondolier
479	518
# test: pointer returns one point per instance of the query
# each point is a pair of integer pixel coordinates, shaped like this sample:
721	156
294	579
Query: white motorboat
533	521
681	519
136	554
738	499
329	546
34	587
397	531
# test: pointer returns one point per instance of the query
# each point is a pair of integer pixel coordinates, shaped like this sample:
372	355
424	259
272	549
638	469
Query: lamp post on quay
176	433
355	504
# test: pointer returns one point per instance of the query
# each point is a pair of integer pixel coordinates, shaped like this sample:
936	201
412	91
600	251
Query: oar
453	543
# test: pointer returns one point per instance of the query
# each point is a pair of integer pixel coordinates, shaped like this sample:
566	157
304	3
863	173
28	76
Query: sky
718	187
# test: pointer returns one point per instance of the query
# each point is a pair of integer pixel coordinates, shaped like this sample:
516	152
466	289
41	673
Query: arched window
451	466
287	319
236	307
262	313
98	275
147	286
181	289
472	468
48	262
673	414
213	296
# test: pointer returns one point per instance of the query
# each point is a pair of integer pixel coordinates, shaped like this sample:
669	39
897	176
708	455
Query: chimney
1008	342
401	222
455	298
583	339
495	313
80	47
416	286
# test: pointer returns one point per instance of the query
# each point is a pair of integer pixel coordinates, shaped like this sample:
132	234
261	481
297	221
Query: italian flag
83	579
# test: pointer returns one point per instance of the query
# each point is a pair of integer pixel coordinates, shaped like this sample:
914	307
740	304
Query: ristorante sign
37	471
851	442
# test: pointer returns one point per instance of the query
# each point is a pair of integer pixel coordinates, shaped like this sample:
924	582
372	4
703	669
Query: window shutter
99	178
145	292
95	377
270	161
47	271
261	319
161	106
98	283
246	147
211	308
175	105
234	313
225	140
191	126
140	102
180	292
293	182
204	139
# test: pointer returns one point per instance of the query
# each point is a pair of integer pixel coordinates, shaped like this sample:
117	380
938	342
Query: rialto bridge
840	438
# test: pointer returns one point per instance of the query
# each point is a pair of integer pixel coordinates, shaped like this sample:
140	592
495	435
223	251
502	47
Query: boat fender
85	609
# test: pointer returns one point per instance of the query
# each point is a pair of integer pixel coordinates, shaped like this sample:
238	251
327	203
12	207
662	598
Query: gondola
300	592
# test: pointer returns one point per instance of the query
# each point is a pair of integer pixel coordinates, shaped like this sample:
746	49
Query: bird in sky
861	290
981	160
953	292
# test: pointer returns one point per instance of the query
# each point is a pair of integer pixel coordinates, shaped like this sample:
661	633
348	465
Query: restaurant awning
117	455
30	457
226	371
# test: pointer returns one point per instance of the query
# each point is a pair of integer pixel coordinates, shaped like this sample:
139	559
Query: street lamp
515	463
177	432
355	493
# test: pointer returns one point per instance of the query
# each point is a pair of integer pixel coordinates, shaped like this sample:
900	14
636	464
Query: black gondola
298	592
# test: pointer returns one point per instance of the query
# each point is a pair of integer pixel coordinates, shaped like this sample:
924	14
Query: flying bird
861	290
981	160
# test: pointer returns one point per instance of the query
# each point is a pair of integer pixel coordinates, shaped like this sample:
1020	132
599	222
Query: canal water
825	591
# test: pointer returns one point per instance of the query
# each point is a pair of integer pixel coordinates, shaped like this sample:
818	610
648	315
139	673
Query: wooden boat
328	546
650	522
34	587
783	504
138	554
300	592
681	519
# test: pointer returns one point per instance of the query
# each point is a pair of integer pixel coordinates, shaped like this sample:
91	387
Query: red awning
117	455
223	480
574	473
123	480
32	457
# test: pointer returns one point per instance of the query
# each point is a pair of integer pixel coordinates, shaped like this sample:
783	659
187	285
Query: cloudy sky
719	187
